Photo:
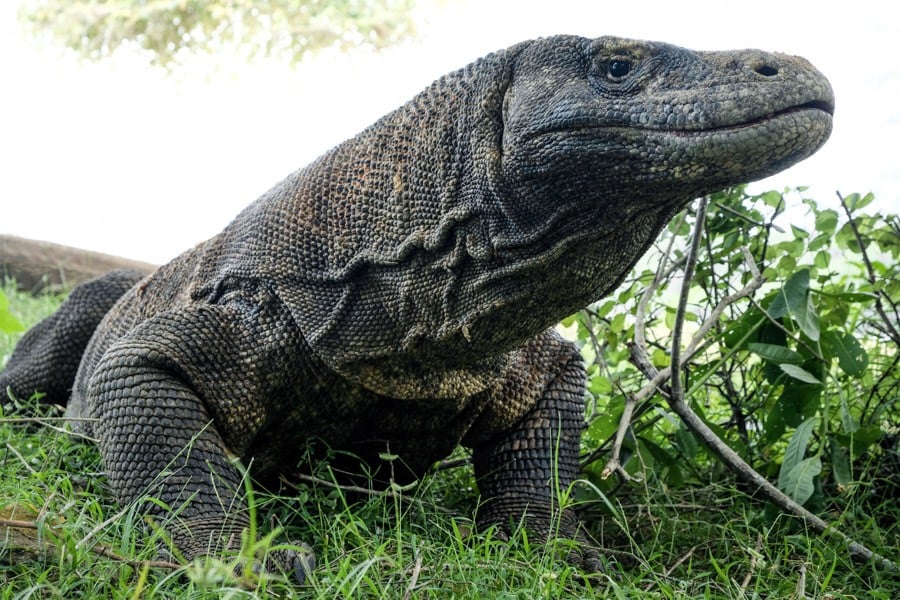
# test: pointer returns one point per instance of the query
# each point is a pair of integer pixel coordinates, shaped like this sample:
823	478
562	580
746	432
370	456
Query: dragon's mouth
820	105
816	105
812	107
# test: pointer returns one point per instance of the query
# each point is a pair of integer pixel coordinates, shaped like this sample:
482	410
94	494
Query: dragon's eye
618	68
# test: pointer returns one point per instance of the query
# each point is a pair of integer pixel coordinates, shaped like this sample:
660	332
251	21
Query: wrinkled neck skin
508	195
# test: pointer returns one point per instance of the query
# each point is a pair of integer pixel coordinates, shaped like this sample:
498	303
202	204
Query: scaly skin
398	293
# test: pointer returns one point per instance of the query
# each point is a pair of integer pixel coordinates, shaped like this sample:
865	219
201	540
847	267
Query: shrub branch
675	395
889	327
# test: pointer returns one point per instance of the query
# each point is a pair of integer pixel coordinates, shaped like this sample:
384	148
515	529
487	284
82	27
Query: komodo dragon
400	292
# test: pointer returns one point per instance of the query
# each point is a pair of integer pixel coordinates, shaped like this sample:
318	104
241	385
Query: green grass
706	541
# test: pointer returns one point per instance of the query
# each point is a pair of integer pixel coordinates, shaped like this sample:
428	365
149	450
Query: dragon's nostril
766	70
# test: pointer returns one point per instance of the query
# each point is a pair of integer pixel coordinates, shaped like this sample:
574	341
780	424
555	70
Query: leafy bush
800	378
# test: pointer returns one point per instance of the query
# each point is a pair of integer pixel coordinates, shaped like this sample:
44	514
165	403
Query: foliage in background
802	380
8	323
167	31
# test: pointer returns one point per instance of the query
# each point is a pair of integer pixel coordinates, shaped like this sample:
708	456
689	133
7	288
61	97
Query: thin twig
446	465
801	583
673	566
754	563
683	558
17	524
614	464
83	543
884	376
746	218
343	487
657	377
414	578
691	264
46	422
21	458
879	307
162	564
96	549
389	493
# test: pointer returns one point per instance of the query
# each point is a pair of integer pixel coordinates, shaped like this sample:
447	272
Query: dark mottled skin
401	290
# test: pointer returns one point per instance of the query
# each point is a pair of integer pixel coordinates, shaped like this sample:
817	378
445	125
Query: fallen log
37	265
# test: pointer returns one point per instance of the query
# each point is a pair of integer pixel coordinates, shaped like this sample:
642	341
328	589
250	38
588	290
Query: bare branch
614	464
675	358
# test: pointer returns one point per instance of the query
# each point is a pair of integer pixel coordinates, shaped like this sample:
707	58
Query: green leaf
796	448
826	221
599	385
776	423
860	440
786	264
741	330
796	475
794	300
856	203
846	238
820	241
792	296
849	296
850	200
800	374
840	466
808	320
774	353
618	323
679	226
657	452
799	233
687	442
605	308
8	323
852	357
773	198
798	482
642	460
660	358
604	426
798	401
849	423
769	333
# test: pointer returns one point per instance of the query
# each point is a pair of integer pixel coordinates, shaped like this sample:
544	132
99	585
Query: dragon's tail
46	359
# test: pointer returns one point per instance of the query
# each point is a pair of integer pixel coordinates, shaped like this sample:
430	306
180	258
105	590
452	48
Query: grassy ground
700	542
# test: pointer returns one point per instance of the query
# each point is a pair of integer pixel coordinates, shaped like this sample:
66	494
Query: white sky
118	157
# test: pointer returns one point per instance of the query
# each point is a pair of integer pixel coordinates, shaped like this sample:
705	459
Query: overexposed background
120	157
